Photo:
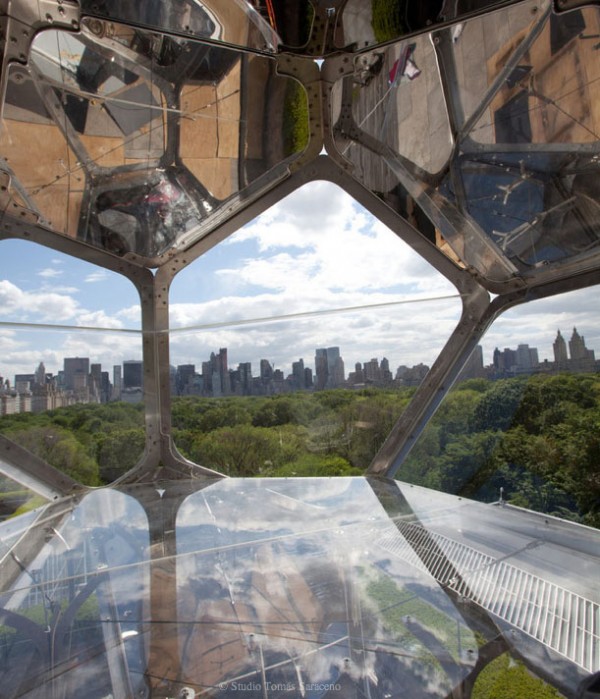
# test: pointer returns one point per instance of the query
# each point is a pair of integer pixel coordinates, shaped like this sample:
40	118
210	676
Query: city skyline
327	371
291	265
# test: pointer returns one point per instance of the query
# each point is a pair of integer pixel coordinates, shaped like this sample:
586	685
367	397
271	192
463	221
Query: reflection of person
142	219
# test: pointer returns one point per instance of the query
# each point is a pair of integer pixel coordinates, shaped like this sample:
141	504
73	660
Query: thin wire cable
227	323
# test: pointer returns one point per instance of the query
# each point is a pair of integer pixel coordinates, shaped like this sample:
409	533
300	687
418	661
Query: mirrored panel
240	23
141	140
361	24
483	135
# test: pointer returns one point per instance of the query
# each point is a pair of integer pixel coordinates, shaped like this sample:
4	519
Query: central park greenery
537	438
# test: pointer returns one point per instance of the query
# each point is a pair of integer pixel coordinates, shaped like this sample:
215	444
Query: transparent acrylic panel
141	140
83	583
297	579
71	356
521	424
284	312
15	498
296	585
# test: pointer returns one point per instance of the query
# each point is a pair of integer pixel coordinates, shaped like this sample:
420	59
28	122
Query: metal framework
152	54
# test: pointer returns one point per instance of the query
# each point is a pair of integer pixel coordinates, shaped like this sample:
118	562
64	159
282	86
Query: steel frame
161	458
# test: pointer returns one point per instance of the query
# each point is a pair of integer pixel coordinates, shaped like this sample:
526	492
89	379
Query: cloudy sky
319	267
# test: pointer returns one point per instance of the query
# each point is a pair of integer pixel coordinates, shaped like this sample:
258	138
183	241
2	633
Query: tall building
329	368
133	373
223	372
320	369
184	378
582	358
40	375
76	371
117	382
245	377
561	358
298	378
266	370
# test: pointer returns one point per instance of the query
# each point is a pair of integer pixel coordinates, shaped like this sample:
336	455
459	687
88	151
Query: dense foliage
536	438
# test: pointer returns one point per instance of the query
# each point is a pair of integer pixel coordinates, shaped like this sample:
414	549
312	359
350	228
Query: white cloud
98	319
48	307
97	276
50	273
319	238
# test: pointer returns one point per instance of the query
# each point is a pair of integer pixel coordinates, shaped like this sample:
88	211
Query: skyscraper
75	367
560	352
132	373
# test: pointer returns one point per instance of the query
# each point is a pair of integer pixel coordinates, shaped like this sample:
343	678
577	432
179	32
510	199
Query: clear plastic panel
288	309
84	583
71	357
520	425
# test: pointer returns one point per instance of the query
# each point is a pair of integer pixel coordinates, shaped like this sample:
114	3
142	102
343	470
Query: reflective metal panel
235	22
483	135
141	139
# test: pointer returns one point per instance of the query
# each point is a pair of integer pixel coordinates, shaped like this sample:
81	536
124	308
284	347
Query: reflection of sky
277	569
315	538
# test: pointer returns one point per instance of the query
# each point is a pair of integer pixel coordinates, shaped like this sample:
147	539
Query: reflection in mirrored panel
397	99
308	601
514	154
141	139
239	23
362	24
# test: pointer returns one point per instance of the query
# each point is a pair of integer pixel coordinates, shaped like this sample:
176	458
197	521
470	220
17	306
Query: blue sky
315	251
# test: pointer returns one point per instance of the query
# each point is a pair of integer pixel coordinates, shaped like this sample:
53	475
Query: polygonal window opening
519	426
72	370
276	329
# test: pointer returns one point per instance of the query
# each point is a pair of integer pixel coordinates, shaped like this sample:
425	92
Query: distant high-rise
582	358
76	371
298	374
40	375
560	352
266	370
117	382
184	378
329	368
133	373
321	368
